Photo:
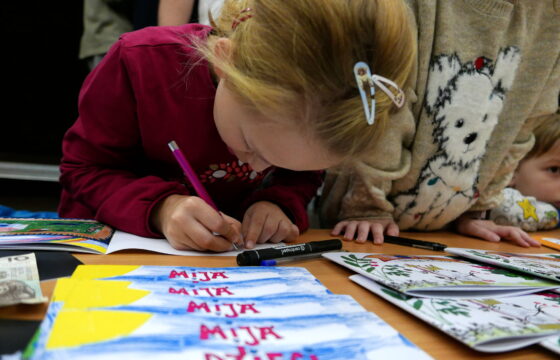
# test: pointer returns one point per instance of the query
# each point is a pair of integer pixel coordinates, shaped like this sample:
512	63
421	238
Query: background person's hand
360	229
490	231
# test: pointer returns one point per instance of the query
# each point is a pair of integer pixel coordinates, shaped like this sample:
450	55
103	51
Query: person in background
207	8
257	120
532	201
178	12
175	12
104	22
484	80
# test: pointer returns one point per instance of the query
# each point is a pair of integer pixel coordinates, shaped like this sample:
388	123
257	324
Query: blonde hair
296	58
547	134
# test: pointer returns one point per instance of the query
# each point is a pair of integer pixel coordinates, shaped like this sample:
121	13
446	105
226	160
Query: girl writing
258	105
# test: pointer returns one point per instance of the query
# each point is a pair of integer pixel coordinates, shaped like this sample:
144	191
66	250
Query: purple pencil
189	173
195	182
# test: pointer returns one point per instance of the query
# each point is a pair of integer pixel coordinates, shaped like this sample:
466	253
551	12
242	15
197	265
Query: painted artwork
542	265
187	274
87	236
70	227
116	295
270	287
114	319
101	334
440	276
487	325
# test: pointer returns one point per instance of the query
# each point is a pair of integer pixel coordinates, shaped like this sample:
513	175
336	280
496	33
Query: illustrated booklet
84	236
76	235
543	265
552	344
487	325
440	276
140	319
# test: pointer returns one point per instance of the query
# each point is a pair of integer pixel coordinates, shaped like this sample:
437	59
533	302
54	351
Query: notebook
440	276
543	265
487	325
84	236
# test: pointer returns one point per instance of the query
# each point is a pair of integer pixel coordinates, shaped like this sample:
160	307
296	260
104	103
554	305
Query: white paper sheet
124	241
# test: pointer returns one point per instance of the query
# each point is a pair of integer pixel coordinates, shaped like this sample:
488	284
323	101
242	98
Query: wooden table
335	277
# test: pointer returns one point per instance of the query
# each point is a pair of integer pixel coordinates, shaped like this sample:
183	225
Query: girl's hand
377	227
265	221
490	231
188	223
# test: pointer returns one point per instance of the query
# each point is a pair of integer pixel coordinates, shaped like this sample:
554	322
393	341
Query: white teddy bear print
464	102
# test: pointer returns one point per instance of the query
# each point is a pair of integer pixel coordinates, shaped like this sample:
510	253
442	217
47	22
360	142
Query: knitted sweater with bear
487	72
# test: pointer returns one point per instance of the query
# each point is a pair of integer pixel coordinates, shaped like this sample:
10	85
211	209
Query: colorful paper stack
489	308
253	313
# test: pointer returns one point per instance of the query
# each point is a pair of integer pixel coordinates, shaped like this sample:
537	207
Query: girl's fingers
201	237
530	240
483	233
252	233
350	230
363	231
338	228
287	232
392	229
517	238
377	231
269	228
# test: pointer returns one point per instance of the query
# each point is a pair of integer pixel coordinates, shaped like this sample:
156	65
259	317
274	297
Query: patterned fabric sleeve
524	212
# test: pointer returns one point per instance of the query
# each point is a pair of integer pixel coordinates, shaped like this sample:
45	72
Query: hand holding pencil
189	223
194	222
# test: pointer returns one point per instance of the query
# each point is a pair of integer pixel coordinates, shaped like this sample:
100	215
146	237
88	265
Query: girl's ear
223	51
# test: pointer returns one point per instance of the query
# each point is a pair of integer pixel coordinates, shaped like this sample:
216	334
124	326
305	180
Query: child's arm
492	196
356	199
174	12
524	212
104	167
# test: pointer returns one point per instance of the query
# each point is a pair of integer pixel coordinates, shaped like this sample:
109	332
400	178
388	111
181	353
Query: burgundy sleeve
102	149
292	191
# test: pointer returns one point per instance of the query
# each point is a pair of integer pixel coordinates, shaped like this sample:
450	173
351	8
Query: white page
552	343
487	325
439	276
123	241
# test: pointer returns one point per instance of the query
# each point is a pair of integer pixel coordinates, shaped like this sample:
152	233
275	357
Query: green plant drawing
396	270
508	273
397	295
417	304
351	260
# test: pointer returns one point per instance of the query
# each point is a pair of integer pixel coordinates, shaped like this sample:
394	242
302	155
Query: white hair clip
366	84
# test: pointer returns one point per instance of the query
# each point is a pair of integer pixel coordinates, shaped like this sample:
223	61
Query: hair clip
241	18
366	83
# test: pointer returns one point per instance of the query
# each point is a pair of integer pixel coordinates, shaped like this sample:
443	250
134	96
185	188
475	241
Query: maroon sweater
149	89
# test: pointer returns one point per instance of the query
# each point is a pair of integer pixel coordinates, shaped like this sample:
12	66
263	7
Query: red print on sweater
230	171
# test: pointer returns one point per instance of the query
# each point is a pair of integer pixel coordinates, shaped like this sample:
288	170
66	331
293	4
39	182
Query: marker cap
248	258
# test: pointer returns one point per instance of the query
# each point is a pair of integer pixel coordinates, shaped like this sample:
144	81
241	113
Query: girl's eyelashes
554	170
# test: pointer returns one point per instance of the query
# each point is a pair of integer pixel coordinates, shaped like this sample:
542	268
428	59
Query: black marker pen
420	244
254	257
